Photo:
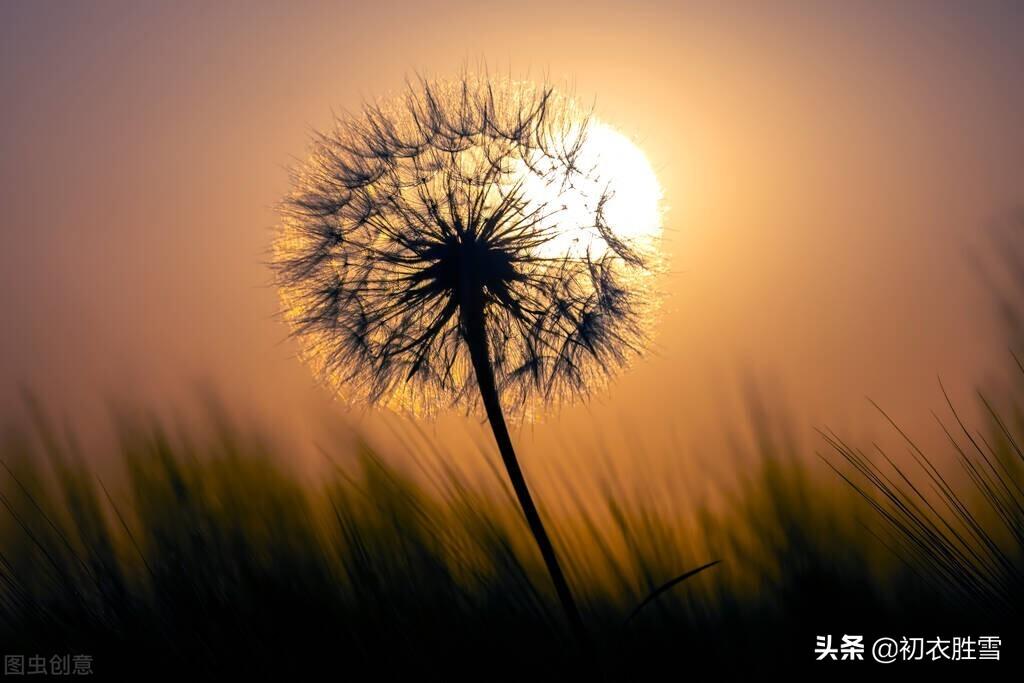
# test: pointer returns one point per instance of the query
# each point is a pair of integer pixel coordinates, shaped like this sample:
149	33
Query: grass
204	555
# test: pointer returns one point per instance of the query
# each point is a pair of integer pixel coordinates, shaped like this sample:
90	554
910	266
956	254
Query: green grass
203	555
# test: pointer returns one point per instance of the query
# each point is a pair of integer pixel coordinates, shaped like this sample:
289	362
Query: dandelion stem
476	339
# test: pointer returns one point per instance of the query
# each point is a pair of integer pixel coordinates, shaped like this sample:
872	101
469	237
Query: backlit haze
826	171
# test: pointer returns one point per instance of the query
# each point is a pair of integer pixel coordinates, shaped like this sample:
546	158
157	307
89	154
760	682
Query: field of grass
205	556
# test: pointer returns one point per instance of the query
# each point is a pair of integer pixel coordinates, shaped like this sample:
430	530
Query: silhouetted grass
204	556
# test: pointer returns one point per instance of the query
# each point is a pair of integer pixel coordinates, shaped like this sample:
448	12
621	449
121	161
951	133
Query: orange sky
826	166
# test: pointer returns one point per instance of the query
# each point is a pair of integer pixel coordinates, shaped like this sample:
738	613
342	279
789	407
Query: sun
614	166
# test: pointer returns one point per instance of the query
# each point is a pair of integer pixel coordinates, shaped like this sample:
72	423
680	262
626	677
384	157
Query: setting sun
520	341
612	164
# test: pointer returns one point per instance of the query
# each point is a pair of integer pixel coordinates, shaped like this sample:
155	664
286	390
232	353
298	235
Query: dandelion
466	243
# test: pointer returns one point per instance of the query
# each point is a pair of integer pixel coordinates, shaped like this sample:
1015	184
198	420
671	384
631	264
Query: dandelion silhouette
453	246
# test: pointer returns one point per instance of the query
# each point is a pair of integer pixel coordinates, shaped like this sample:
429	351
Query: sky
828	170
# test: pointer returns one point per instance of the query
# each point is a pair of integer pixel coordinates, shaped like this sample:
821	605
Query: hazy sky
826	166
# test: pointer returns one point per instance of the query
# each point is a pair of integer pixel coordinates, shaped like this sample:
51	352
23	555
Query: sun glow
611	165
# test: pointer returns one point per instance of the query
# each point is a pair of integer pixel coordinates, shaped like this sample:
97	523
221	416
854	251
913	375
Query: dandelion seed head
457	199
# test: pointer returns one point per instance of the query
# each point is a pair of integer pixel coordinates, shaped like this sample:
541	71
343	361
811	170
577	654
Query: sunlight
633	210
